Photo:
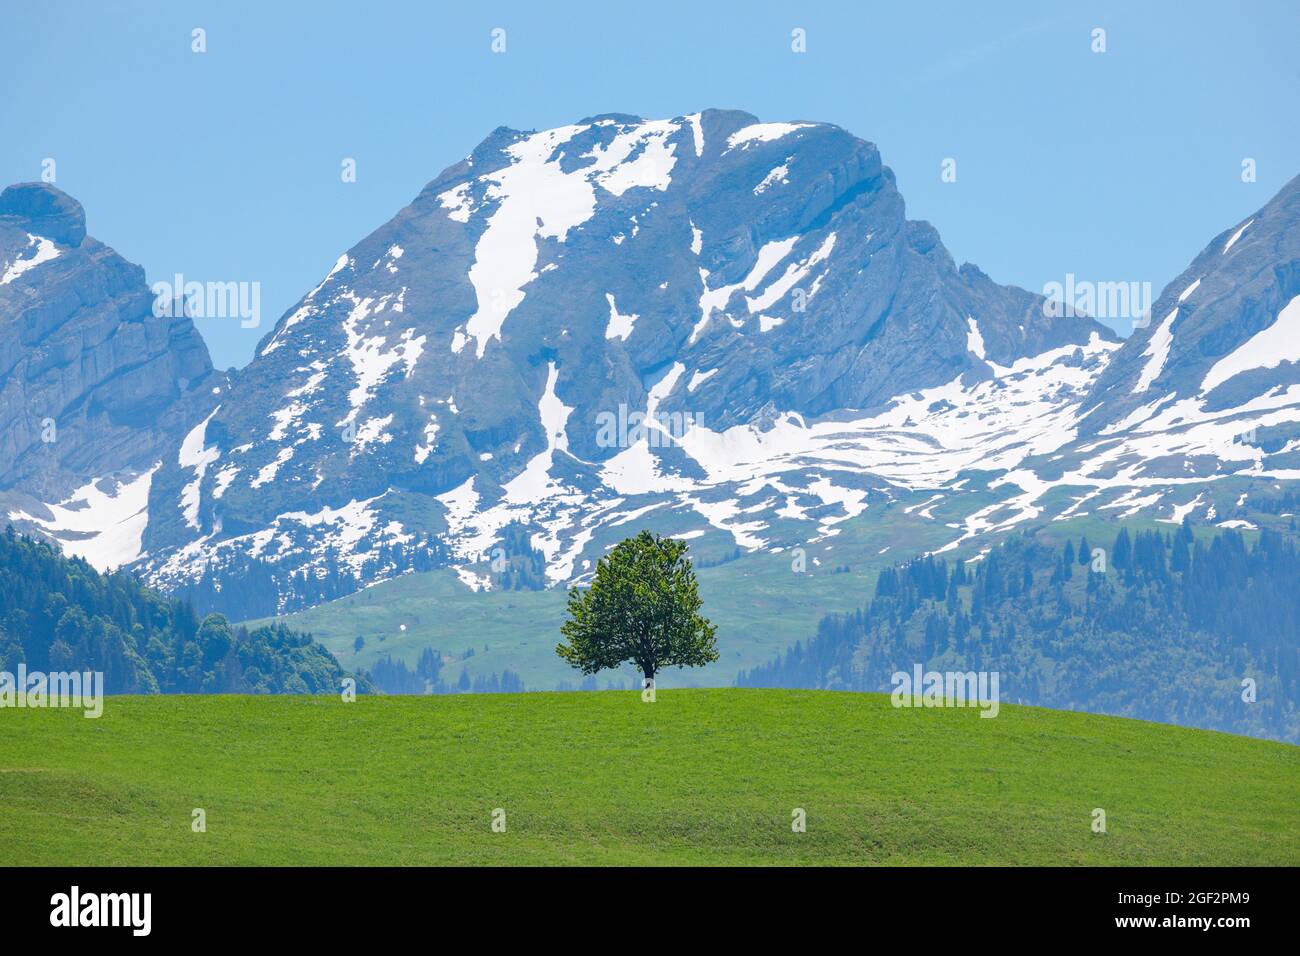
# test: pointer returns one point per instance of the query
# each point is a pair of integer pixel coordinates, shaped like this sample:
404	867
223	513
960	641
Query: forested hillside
244	588
1160	626
59	614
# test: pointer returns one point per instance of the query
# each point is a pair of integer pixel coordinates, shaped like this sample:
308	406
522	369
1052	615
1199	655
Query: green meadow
696	777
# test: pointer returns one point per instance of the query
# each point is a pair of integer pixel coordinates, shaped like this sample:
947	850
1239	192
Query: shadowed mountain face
93	387
704	325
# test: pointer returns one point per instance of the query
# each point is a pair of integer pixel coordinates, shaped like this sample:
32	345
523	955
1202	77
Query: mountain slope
1167	628
1199	413
94	388
1225	331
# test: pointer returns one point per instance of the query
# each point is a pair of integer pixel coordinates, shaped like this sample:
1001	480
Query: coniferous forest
59	614
1163	626
392	676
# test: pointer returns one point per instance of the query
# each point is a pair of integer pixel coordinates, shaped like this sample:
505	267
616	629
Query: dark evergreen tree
1122	550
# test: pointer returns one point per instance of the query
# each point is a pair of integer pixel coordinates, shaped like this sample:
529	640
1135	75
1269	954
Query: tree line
1164	626
243	588
60	614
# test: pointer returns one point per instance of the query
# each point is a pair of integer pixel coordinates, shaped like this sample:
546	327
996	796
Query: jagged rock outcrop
92	384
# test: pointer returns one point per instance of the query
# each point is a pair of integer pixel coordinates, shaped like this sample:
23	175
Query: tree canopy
643	606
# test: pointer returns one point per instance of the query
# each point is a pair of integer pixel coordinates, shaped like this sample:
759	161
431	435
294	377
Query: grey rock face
91	382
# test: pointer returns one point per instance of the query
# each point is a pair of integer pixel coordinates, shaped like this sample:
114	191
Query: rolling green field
697	777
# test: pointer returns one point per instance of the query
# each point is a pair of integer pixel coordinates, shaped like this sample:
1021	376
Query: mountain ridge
659	266
711	325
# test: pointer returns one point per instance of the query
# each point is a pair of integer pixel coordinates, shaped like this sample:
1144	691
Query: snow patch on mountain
699	378
1235	236
762	133
974	340
794	273
1268	348
712	300
697	133
1157	353
46	251
369	356
534	482
620	326
536	198
194	456
103	521
778	176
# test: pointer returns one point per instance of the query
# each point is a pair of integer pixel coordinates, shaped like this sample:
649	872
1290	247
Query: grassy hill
699	776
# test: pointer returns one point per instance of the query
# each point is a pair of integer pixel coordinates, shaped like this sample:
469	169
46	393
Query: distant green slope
761	606
759	603
1163	625
699	776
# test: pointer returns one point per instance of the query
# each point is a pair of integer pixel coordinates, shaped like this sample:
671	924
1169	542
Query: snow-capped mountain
1199	412
1227	330
708	324
95	389
704	322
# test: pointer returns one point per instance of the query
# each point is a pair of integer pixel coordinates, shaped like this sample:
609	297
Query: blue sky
225	165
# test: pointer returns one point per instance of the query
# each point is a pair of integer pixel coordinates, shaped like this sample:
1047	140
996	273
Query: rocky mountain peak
710	325
491	356
94	388
43	209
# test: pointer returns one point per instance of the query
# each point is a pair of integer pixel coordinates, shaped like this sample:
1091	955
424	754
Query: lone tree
643	606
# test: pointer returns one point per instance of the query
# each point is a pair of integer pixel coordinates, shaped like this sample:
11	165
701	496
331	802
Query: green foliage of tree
643	606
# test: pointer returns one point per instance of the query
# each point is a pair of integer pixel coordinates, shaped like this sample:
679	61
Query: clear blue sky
225	165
